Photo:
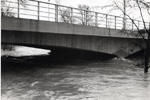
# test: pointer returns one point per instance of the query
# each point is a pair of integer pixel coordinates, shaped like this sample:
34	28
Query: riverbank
138	59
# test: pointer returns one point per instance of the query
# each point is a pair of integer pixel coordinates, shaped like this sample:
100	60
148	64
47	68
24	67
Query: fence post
96	19
56	13
85	15
115	23
48	11
38	10
18	8
71	15
106	20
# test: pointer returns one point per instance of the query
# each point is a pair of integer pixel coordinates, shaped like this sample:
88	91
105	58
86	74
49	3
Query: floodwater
116	79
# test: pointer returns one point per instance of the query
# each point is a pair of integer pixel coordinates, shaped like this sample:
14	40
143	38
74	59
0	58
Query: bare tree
142	6
7	8
85	15
66	15
58	2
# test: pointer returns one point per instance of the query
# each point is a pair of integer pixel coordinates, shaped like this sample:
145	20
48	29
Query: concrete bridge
54	35
68	38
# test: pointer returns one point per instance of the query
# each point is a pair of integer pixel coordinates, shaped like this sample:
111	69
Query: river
30	78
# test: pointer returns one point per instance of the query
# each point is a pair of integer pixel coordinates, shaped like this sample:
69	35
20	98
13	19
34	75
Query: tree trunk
146	61
147	52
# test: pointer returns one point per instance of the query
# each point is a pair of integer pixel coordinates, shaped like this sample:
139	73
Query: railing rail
40	10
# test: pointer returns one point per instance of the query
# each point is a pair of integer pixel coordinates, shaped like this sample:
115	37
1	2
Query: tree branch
132	22
137	1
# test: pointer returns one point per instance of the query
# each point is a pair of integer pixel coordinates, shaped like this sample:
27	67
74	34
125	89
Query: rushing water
116	79
24	51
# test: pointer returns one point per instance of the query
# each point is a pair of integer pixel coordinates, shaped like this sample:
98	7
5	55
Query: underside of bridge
65	54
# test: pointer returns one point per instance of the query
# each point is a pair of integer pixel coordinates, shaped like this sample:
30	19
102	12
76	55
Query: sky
74	3
96	4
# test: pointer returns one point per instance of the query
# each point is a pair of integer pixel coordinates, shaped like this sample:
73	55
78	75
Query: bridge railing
39	10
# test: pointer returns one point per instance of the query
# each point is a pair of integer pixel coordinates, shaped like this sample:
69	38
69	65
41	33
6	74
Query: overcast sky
74	3
95	4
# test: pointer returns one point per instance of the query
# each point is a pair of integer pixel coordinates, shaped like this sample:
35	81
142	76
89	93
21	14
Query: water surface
97	80
37	78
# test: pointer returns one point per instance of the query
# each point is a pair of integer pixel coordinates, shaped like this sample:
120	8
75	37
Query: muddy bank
138	59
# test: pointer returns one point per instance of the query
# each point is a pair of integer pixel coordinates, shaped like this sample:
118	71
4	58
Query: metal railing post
56	13
96	19
85	17
115	22
38	10
106	20
132	26
18	8
71	15
48	11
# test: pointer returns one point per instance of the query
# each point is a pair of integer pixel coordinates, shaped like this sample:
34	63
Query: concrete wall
25	31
